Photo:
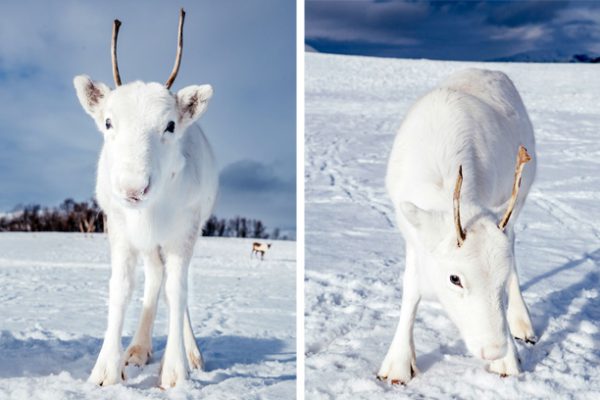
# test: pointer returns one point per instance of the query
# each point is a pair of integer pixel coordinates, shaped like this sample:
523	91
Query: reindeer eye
108	123
170	127
455	280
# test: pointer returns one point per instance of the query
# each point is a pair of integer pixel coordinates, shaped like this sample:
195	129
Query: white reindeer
157	183
458	249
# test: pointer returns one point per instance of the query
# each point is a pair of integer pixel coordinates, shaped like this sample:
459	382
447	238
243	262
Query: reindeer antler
175	70
460	233
522	159
115	64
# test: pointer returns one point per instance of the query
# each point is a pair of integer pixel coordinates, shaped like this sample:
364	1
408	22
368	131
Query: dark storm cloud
260	191
371	21
521	12
452	30
252	176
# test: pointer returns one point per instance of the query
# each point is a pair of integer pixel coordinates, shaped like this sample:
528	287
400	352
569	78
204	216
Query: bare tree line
87	217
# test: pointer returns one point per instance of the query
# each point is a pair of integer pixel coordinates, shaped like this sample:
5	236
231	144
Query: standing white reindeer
157	183
459	250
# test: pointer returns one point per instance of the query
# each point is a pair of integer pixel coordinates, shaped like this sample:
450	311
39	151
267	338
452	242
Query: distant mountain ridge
535	56
550	57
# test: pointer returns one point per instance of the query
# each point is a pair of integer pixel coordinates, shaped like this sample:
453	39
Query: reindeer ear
418	217
415	215
192	102
427	223
92	95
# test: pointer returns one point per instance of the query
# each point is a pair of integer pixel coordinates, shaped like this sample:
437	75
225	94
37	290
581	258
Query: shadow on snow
557	306
33	357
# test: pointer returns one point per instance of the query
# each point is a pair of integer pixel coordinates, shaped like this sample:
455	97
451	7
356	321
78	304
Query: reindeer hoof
531	340
107	371
396	381
393	381
528	340
172	372
138	355
195	360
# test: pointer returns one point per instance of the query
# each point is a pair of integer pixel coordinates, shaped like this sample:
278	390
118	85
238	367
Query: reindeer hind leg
192	351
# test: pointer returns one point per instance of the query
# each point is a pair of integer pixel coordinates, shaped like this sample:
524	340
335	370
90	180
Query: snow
355	255
53	303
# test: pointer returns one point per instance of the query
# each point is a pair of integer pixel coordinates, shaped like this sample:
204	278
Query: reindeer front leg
399	365
517	313
109	365
174	366
140	349
510	363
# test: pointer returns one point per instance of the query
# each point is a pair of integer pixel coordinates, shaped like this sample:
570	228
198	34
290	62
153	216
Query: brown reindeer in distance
260	248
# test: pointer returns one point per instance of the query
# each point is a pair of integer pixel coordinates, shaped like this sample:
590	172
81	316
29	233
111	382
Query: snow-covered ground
355	255
53	298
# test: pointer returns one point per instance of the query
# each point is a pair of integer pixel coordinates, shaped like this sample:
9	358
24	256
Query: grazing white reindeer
157	183
458	248
260	248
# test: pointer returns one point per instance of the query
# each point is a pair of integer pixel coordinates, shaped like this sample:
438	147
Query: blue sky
457	30
245	49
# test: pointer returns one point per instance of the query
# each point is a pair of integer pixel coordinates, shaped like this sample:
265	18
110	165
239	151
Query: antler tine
460	233
522	159
175	70
115	64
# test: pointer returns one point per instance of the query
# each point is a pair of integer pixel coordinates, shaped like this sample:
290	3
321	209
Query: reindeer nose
135	195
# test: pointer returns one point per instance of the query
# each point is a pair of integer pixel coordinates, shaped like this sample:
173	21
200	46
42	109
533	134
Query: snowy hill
53	297
355	256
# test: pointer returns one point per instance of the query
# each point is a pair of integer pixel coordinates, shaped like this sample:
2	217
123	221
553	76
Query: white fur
157	188
475	119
